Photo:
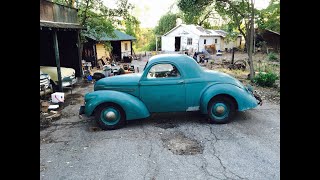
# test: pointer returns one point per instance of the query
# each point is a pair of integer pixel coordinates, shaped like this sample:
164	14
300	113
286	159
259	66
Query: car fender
134	108
243	98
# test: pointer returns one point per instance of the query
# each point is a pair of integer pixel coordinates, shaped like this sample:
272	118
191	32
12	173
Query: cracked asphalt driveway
165	146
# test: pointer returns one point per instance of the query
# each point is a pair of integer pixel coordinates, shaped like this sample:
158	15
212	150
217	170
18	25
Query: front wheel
221	109
110	116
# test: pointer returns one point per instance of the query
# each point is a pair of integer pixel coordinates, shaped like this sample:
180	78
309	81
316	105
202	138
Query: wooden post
56	52
232	60
156	44
131	47
79	54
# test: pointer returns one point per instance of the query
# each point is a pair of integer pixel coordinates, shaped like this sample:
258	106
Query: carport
59	38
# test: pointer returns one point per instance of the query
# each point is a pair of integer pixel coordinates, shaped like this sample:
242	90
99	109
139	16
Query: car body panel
191	91
133	107
67	75
45	86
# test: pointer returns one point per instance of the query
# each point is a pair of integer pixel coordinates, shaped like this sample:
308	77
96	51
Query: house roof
119	36
197	30
273	32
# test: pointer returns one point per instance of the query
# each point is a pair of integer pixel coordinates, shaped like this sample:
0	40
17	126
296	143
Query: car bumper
69	83
258	98
81	110
46	91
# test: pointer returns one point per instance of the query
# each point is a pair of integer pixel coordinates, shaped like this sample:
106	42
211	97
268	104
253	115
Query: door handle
180	82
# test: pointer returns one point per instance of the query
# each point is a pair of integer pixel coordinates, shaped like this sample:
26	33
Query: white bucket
57	97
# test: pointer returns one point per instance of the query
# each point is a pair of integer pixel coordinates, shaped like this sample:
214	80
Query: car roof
186	63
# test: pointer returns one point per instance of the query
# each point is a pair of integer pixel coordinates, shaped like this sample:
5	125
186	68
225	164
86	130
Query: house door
177	43
116	50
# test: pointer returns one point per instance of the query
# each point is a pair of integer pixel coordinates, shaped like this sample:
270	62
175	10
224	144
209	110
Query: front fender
244	99
133	107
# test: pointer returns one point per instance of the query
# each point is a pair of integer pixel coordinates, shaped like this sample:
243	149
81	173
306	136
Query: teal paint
192	91
132	106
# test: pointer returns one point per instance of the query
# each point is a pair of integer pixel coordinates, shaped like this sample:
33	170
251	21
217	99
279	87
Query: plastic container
57	97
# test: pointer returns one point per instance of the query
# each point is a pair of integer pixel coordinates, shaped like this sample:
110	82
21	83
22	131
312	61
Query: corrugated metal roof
119	36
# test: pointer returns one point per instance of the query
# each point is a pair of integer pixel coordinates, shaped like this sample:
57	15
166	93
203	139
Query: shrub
265	79
272	56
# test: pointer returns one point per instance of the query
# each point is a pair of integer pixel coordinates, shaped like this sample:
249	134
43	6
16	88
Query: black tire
107	124
224	114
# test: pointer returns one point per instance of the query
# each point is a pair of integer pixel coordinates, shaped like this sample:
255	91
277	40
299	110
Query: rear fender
243	98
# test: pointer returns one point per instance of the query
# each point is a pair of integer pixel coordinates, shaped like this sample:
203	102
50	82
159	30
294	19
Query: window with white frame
216	41
189	41
205	41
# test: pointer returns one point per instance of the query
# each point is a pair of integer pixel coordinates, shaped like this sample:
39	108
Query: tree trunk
251	35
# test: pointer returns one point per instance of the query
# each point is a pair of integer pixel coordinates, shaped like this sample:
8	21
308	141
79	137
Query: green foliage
269	18
166	23
145	37
272	56
265	79
195	11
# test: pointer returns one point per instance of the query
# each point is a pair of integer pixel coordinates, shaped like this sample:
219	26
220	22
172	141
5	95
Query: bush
265	79
272	56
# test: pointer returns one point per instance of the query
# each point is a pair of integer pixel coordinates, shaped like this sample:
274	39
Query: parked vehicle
67	76
45	85
169	83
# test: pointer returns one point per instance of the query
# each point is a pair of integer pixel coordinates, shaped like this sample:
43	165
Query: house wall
101	51
209	41
235	43
219	44
168	41
125	52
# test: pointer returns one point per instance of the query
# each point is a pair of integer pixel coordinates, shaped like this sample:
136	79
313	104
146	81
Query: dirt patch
72	99
166	125
46	122
179	144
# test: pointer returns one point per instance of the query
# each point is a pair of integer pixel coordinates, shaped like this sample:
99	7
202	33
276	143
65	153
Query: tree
269	18
241	15
197	11
166	23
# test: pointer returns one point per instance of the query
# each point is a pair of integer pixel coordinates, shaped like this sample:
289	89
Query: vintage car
67	76
45	85
169	83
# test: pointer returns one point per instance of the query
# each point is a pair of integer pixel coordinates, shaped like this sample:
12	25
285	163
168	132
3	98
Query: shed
271	38
59	37
121	46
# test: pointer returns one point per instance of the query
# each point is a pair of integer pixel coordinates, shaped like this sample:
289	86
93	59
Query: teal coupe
169	83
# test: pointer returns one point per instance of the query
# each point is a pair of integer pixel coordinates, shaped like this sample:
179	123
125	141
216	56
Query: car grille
44	82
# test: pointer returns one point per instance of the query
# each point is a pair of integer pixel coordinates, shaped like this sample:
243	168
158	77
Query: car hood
121	80
52	71
220	77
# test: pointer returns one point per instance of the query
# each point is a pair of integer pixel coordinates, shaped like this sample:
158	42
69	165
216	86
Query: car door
162	88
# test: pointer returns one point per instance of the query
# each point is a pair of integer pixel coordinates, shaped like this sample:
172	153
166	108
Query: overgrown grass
235	73
273	57
265	79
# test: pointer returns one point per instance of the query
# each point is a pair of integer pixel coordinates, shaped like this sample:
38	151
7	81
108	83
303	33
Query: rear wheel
221	109
110	116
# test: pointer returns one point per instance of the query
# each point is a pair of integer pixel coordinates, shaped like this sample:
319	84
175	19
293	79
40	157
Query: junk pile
49	109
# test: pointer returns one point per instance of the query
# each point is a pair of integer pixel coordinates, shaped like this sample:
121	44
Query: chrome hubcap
220	109
111	116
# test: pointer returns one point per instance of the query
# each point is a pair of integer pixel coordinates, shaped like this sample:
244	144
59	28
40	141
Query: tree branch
233	7
85	13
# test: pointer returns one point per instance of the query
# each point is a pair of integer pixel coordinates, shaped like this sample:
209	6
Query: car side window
163	71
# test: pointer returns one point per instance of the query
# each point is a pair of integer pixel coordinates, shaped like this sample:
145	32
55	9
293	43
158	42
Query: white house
192	37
